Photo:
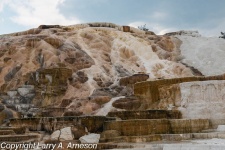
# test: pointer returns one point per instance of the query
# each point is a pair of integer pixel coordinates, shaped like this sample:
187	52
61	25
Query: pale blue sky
160	16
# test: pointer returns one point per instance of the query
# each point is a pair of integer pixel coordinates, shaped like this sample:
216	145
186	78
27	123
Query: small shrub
143	27
223	35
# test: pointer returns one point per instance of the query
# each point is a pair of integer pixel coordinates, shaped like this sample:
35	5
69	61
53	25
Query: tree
143	28
223	35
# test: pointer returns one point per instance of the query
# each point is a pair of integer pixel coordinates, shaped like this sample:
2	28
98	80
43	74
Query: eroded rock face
66	102
146	114
67	65
133	79
78	131
110	134
51	84
48	26
73	113
196	97
150	90
64	80
128	103
204	99
100	99
157	126
11	74
63	134
93	124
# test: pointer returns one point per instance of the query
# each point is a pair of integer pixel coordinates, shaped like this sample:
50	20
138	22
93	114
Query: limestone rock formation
53	76
55	135
90	138
128	103
63	134
110	134
66	134
81	67
100	99
133	79
195	97
78	131
221	128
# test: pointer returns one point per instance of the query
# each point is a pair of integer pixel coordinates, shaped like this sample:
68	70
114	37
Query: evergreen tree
143	28
223	35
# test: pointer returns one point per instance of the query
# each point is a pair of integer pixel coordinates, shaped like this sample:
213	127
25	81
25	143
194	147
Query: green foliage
143	27
223	35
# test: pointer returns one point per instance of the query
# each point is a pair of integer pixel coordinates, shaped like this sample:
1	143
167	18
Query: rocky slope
77	69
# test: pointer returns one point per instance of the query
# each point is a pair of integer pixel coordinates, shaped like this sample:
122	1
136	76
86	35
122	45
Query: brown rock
6	59
2	107
31	42
10	75
55	42
166	89
65	102
110	134
88	108
149	33
72	113
128	103
79	60
166	44
48	26
28	32
78	131
126	28
100	99
11	106
56	79
81	77
5	115
154	49
133	79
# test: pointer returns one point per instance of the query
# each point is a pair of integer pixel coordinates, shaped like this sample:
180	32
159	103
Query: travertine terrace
59	83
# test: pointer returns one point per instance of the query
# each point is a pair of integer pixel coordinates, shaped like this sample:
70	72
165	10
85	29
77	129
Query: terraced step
93	123
149	138
137	127
177	146
164	137
146	114
7	132
17	130
211	135
134	139
180	126
17	138
215	122
113	146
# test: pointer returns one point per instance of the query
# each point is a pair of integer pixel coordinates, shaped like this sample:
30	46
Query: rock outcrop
151	89
90	138
63	81
133	79
81	67
128	103
195	97
64	134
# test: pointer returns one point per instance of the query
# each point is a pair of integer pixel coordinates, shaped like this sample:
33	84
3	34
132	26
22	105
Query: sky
160	16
